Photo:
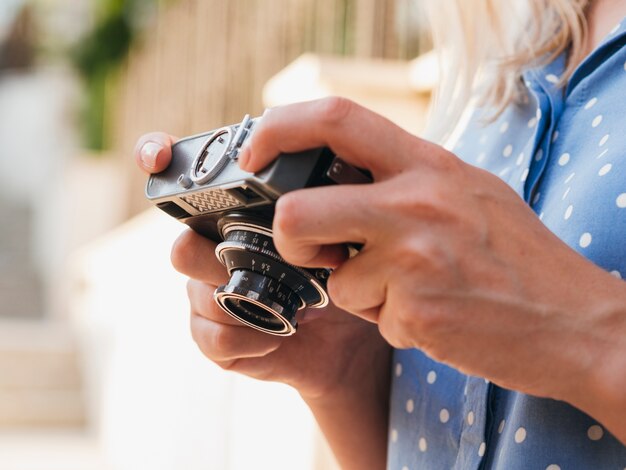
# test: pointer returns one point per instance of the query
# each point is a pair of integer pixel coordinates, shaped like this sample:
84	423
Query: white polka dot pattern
585	240
423	445
595	432
568	212
410	406
552	78
501	426
481	449
604	140
565	157
431	377
605	169
591	103
597	121
524	175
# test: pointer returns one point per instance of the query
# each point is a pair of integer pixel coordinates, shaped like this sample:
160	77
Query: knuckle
427	323
192	254
394	332
198	334
426	259
182	254
191	288
394	337
286	216
224	342
448	162
229	365
217	342
335	109
337	291
441	160
407	320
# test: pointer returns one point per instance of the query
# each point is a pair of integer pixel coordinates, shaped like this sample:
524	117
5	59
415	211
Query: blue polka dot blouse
564	152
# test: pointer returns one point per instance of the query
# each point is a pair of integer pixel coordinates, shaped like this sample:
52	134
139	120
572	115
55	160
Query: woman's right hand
331	353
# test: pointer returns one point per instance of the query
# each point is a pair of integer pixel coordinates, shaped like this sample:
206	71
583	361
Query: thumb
153	151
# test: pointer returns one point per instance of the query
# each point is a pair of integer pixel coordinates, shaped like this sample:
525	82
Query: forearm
354	419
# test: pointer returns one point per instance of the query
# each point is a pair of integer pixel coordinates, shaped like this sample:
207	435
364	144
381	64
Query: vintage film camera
205	188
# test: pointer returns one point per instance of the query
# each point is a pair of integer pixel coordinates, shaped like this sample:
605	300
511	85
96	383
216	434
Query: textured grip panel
209	201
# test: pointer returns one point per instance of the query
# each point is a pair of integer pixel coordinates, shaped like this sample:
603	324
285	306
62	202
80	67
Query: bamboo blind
203	63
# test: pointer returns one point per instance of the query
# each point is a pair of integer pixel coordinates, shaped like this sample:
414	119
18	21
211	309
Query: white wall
156	402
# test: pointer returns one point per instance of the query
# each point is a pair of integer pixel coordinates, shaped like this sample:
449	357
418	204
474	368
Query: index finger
360	136
310	225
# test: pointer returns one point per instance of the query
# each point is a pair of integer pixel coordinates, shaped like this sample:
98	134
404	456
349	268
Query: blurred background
97	367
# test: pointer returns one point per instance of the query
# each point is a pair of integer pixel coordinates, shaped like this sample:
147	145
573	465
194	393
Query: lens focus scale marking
267	248
264	291
237	259
245	239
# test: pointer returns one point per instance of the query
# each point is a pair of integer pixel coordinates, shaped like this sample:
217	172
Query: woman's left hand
453	261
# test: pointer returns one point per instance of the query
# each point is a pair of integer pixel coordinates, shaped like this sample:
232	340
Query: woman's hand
326	352
339	363
453	261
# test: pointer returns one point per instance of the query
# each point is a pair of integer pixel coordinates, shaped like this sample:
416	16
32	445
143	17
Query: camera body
204	188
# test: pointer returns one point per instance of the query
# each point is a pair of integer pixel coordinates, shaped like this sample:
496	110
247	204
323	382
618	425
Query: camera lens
252	310
264	291
260	302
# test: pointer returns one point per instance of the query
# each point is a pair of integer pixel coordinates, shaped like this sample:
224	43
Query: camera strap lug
341	172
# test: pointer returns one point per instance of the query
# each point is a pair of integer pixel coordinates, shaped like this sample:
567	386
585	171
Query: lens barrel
260	302
264	291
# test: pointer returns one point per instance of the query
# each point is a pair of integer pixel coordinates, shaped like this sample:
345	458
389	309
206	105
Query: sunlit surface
98	370
162	404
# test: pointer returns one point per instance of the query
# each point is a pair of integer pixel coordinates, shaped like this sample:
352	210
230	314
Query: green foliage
98	58
106	47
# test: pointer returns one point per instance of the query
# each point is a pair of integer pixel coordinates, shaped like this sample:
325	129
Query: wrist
365	376
600	391
353	415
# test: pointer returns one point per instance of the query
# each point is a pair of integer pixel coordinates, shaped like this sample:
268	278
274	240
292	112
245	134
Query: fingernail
149	153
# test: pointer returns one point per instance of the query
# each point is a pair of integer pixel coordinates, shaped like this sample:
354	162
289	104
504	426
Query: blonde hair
485	45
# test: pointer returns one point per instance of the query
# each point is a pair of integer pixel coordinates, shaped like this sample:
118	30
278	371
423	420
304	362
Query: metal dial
212	157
